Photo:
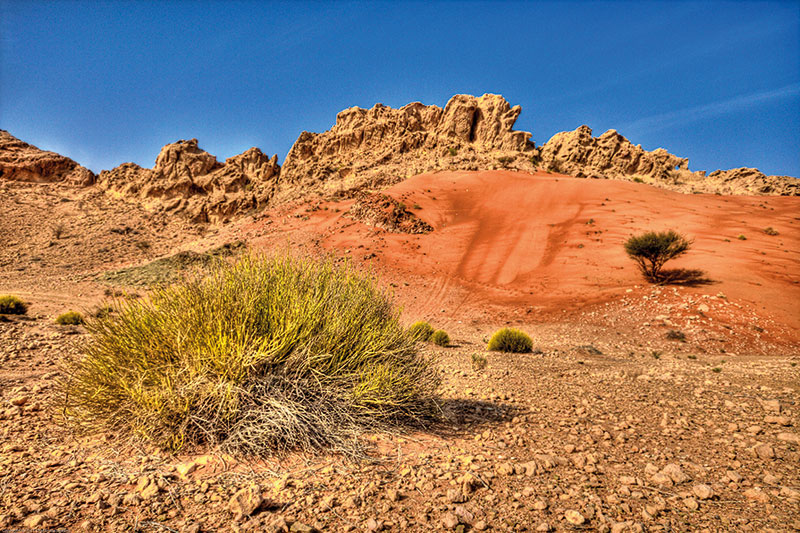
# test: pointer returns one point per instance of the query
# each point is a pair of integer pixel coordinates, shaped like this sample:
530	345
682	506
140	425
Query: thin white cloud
702	112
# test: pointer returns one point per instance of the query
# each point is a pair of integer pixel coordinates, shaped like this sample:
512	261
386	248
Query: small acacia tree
652	249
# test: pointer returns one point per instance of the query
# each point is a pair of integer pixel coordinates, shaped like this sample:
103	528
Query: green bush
11	305
479	361
440	338
261	355
421	331
70	318
510	340
771	231
652	249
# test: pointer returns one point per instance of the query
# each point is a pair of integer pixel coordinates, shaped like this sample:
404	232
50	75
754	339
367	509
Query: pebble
703	491
574	517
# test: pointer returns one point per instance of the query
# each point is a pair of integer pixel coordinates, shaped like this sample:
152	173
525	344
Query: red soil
509	242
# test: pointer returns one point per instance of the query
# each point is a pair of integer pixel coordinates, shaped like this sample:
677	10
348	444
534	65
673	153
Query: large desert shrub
510	340
12	305
263	354
652	249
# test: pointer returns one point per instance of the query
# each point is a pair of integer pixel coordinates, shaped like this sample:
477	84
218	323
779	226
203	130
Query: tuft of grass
510	340
421	331
771	231
440	338
262	355
742	237
70	318
453	151
716	369
12	305
479	361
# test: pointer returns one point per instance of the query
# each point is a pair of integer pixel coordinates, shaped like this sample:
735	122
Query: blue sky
108	82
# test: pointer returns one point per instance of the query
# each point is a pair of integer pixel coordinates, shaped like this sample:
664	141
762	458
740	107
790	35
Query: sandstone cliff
380	146
189	180
20	161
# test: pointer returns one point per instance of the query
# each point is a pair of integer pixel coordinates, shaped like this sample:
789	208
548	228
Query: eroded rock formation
20	161
612	156
381	145
189	180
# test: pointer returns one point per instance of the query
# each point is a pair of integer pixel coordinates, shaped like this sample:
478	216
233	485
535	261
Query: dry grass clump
12	305
421	330
479	361
440	338
70	318
510	340
264	354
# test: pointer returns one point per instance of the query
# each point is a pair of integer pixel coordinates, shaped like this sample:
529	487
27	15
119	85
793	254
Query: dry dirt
612	424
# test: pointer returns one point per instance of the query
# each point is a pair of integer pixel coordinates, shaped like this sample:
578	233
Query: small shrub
282	354
716	369
11	305
58	230
505	160
771	231
742	237
652	249
453	151
676	335
421	331
479	361
510	340
70	318
440	338
691	357
638	180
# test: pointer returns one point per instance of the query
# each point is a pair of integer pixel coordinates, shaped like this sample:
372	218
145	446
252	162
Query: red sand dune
544	242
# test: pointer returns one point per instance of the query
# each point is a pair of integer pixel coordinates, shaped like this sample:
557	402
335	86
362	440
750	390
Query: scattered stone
691	504
574	517
764	451
757	495
703	491
246	501
450	521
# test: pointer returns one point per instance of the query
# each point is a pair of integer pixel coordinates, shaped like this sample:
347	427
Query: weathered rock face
20	161
612	156
608	156
189	180
380	146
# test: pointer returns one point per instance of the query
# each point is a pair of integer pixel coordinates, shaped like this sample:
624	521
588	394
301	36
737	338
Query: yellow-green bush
420	331
70	318
12	305
263	354
440	338
510	340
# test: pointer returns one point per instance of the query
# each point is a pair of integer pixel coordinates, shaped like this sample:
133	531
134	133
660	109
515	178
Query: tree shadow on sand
688	277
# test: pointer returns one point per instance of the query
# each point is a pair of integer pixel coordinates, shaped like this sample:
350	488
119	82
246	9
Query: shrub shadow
690	277
461	414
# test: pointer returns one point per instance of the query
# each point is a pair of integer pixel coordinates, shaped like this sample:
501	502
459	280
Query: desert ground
642	408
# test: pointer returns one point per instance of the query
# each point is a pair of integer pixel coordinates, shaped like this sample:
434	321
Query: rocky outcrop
612	156
189	180
381	145
20	161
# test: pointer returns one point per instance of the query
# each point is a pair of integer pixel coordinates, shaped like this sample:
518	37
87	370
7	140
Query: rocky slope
381	146
20	161
189	180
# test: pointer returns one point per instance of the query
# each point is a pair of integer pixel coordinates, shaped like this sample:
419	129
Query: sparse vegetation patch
652	249
440	338
70	318
421	331
510	340
12	305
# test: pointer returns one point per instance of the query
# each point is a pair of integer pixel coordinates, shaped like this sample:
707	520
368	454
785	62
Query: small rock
33	521
480	525
449	520
789	437
757	495
780	420
456	496
300	527
574	517
691	504
773	406
764	451
246	501
703	491
19	401
675	473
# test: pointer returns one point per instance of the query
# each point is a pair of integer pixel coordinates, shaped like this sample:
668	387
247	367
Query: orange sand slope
548	242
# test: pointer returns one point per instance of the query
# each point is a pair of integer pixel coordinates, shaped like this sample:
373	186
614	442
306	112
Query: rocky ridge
368	149
20	161
189	180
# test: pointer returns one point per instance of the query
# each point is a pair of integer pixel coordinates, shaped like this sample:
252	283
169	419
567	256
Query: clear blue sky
108	82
